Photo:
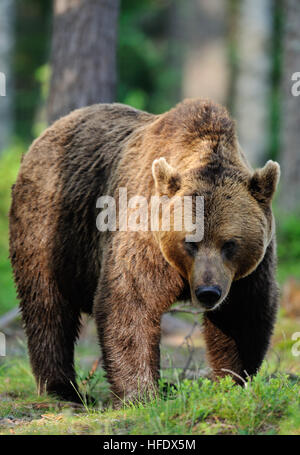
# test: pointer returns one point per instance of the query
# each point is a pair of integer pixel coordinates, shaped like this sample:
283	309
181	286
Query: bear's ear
264	181
167	179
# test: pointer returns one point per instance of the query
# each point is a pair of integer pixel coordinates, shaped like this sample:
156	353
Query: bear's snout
208	296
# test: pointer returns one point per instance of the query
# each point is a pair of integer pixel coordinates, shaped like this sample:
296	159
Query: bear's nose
208	295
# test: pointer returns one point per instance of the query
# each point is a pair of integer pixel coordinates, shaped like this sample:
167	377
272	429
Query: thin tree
7	13
203	31
253	77
290	147
83	62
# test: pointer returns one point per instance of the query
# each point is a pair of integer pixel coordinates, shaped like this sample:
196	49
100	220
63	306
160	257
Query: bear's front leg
135	288
127	309
129	336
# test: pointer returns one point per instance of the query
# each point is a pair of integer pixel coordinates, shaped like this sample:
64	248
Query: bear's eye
191	248
229	248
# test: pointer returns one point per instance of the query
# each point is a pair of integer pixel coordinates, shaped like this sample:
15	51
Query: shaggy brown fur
64	266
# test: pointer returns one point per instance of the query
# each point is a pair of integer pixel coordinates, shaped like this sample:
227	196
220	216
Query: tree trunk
83	54
6	42
253	79
290	147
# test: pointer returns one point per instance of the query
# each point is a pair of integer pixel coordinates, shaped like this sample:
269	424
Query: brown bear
63	265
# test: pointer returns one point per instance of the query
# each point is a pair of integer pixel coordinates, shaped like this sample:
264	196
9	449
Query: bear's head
238	224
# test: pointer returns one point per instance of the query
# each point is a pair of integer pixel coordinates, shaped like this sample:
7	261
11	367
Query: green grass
269	404
265	406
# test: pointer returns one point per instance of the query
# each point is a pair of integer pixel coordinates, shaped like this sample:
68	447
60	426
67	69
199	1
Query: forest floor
269	404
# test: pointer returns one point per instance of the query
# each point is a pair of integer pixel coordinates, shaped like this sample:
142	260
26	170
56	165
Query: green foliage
288	237
275	80
147	78
32	42
9	165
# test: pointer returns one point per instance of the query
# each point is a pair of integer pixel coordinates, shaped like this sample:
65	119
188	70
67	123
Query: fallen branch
191	350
